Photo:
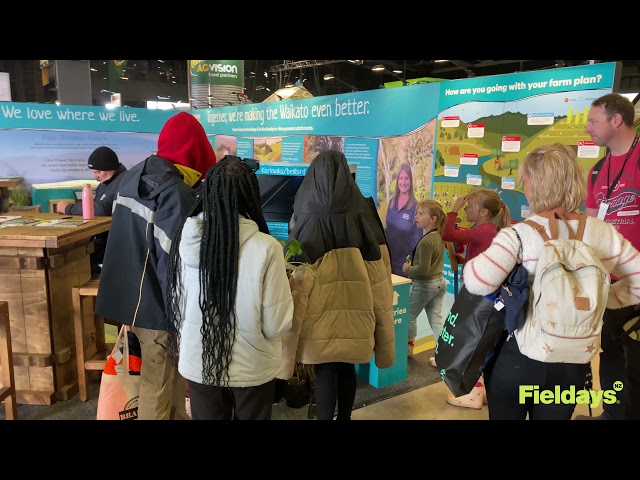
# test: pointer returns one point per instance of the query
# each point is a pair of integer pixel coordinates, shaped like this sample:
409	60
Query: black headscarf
330	212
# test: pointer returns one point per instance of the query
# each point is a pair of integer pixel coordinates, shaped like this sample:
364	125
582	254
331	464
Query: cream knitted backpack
567	299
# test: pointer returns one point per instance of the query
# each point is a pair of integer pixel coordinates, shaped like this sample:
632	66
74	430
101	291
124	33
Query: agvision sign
217	72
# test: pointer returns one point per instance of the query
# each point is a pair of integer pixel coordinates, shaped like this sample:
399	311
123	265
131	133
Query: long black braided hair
230	189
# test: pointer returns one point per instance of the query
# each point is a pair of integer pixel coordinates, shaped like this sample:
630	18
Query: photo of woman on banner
402	232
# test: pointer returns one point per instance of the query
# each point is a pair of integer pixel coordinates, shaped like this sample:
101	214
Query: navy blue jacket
149	208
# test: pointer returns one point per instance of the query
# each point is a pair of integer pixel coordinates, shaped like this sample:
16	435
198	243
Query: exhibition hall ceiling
263	77
146	80
358	74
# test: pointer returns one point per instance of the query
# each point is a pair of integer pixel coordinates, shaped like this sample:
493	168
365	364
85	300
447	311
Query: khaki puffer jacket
343	312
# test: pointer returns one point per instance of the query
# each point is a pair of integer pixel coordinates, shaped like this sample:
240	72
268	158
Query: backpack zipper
562	336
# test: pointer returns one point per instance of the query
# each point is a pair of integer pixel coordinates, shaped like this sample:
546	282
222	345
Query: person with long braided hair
230	299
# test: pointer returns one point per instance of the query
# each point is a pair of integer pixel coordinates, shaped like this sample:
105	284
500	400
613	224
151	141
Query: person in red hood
153	199
179	144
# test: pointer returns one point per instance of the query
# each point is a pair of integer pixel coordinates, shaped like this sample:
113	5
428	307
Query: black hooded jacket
330	212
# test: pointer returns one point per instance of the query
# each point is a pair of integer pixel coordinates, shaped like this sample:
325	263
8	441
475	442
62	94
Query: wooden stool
91	349
8	389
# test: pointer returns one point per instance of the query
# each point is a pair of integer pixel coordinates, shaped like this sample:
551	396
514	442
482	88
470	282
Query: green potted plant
294	248
20	196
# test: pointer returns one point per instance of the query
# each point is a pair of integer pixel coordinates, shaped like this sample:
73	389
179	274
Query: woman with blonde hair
424	268
553	183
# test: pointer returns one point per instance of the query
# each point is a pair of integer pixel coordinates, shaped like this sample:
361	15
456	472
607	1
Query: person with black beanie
107	169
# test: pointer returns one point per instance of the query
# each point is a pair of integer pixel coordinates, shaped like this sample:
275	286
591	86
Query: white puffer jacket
264	306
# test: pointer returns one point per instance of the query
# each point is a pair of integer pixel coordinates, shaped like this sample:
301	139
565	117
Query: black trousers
231	403
335	383
510	369
620	362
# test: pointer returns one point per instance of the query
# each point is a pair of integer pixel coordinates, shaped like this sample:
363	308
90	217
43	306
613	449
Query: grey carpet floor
419	374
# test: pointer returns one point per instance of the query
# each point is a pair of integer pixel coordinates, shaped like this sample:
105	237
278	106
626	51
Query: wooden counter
38	268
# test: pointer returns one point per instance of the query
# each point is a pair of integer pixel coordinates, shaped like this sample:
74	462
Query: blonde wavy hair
434	209
555	178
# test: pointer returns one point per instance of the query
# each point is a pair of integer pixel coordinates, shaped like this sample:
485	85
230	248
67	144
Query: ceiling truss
301	64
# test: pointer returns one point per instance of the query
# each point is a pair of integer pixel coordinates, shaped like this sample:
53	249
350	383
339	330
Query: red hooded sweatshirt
183	141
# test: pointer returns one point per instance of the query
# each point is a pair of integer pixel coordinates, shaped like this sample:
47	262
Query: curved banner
45	116
376	113
515	86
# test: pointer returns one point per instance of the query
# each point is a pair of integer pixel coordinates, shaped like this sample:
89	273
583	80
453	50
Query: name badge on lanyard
602	211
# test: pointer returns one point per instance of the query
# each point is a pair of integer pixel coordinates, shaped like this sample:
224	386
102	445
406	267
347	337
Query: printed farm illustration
497	167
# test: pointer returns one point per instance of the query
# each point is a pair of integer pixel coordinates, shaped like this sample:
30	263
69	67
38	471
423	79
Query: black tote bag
468	339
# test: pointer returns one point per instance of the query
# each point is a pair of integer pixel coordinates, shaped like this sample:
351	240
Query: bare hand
62	205
460	258
405	266
460	201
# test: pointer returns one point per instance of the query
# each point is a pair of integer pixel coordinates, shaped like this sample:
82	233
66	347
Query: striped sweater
486	272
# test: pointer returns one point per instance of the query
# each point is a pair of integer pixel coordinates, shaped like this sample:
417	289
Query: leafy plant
293	249
20	196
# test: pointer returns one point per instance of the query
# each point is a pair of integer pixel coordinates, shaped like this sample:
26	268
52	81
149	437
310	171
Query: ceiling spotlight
381	68
331	76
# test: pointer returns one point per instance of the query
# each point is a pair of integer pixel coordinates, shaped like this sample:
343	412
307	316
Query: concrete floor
425	403
430	403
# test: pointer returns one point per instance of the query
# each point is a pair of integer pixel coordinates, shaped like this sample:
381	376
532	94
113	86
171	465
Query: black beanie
104	159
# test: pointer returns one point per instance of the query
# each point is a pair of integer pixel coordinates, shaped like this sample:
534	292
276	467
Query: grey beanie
104	159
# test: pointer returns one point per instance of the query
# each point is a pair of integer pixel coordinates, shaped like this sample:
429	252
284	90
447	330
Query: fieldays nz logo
570	396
